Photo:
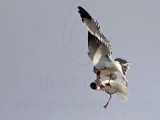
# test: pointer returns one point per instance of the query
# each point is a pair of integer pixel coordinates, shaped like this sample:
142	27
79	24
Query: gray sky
45	72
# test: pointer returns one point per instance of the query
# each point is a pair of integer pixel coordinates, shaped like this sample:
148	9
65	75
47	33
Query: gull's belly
101	62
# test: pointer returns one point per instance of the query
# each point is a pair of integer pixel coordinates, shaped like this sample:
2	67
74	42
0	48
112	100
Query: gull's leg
97	72
108	101
98	75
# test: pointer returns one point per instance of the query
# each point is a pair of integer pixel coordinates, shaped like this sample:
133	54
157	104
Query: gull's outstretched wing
92	26
98	45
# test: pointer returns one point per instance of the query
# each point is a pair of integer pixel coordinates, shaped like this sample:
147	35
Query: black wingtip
79	7
121	61
84	13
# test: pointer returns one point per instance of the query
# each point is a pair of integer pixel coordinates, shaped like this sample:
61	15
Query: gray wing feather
93	45
96	40
96	47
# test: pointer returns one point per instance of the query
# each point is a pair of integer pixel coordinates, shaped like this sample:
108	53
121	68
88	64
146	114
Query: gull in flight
111	85
100	50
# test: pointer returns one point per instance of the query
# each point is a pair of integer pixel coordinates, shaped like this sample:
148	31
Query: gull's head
93	85
97	85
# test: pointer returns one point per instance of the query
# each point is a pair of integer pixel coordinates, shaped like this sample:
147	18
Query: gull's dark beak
93	85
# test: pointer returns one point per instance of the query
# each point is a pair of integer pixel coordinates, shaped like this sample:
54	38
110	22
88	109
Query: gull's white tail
122	90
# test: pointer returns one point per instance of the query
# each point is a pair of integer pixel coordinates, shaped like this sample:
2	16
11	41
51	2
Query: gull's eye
93	85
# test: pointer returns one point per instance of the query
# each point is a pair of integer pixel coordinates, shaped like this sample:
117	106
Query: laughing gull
111	86
100	50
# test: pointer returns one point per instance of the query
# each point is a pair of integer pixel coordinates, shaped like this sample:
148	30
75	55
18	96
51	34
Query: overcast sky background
45	72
